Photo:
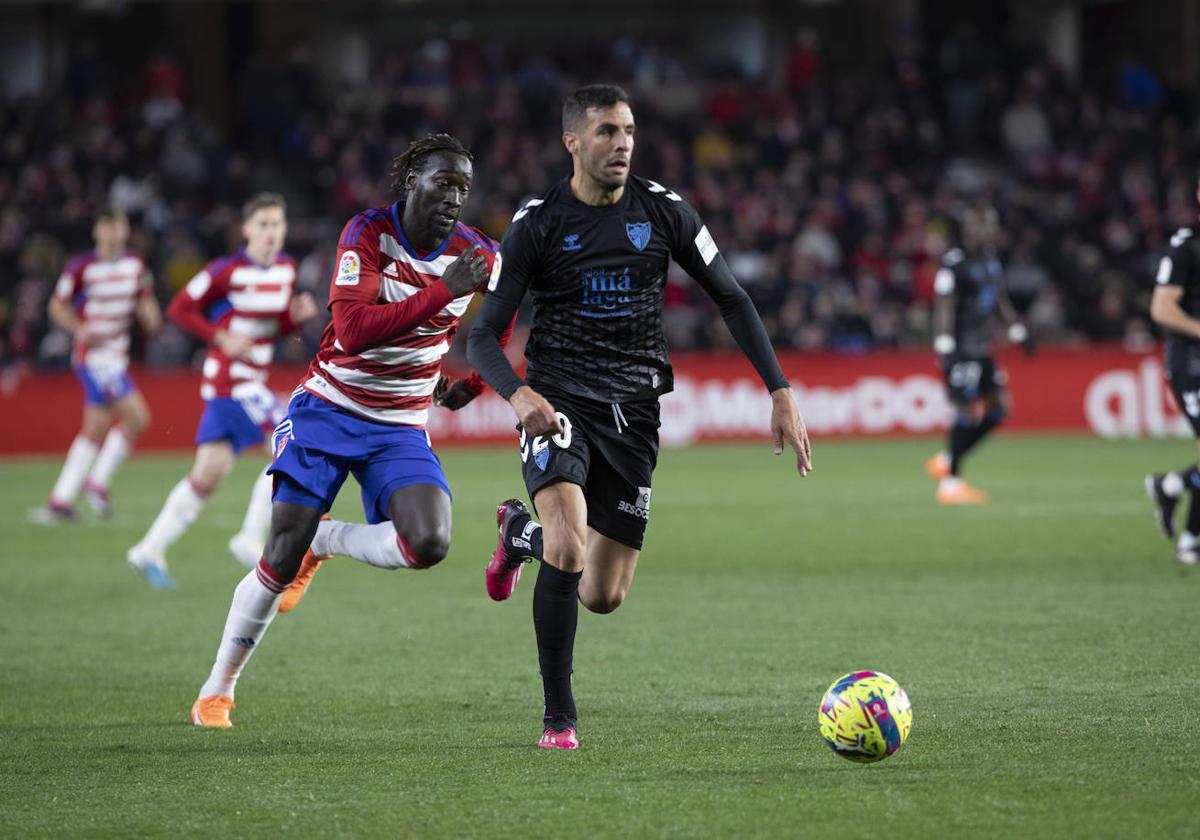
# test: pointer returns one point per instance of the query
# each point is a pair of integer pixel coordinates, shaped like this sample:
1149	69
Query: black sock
959	438
1193	518
964	438
555	616
519	542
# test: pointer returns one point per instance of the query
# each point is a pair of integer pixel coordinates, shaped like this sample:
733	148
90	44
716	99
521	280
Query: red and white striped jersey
394	381
105	294
236	294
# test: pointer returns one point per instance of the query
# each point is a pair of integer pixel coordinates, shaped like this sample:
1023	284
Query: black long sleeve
483	343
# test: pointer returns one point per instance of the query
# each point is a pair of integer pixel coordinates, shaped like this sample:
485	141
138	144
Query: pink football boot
512	552
559	734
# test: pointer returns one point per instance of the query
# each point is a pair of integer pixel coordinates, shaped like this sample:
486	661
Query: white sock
258	512
255	602
377	545
115	450
79	458
1172	485
950	482
180	510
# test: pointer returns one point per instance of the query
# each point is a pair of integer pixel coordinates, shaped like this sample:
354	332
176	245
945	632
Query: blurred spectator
833	196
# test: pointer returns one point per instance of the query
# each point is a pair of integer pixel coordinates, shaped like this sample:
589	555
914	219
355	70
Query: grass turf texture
1047	642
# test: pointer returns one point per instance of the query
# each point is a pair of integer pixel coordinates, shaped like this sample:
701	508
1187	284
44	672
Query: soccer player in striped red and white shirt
97	299
239	305
405	274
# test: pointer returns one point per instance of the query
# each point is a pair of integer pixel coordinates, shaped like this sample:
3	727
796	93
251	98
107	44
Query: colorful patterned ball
865	716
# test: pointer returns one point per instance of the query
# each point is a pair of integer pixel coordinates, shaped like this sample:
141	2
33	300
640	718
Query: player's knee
429	547
136	423
564	549
603	602
284	553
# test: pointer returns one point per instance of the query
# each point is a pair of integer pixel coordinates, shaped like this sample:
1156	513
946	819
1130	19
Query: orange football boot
960	493
938	466
212	711
297	588
308	568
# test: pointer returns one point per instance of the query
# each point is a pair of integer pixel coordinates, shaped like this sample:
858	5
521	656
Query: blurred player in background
1175	307
593	254
405	274
96	300
239	305
970	295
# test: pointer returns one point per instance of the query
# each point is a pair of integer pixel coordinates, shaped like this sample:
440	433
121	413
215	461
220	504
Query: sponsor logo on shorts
640	508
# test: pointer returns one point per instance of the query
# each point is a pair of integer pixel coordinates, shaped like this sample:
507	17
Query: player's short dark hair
261	200
418	152
575	106
108	213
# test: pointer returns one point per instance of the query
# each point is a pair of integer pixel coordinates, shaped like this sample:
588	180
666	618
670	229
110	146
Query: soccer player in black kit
593	254
1175	307
970	294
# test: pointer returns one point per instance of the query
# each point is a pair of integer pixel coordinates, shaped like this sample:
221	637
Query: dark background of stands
830	146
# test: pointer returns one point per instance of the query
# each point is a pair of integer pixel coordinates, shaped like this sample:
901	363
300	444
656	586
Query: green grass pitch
1048	642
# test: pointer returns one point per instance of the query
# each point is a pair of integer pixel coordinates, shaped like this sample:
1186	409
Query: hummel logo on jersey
571	242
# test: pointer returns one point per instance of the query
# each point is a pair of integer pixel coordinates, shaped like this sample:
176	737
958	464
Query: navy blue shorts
103	386
319	444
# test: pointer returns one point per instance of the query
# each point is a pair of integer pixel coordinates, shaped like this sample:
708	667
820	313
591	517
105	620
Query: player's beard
608	180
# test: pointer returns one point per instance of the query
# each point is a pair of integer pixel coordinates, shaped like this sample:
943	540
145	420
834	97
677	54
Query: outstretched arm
739	314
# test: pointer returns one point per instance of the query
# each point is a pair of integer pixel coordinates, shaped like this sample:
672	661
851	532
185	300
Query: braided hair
413	158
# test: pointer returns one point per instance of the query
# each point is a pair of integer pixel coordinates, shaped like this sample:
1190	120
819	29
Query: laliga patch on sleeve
66	283
495	275
705	245
198	285
347	273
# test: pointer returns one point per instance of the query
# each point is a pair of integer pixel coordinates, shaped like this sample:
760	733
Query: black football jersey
596	277
976	283
1180	266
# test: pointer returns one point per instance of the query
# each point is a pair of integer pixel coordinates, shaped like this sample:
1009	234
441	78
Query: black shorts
1186	388
972	379
610	450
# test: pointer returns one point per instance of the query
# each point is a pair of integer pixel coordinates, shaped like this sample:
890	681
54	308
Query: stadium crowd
832	195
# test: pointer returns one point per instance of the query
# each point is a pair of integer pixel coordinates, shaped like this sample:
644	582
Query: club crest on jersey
347	273
571	242
638	233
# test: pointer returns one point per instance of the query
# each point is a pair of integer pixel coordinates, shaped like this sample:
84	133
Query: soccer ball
865	716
